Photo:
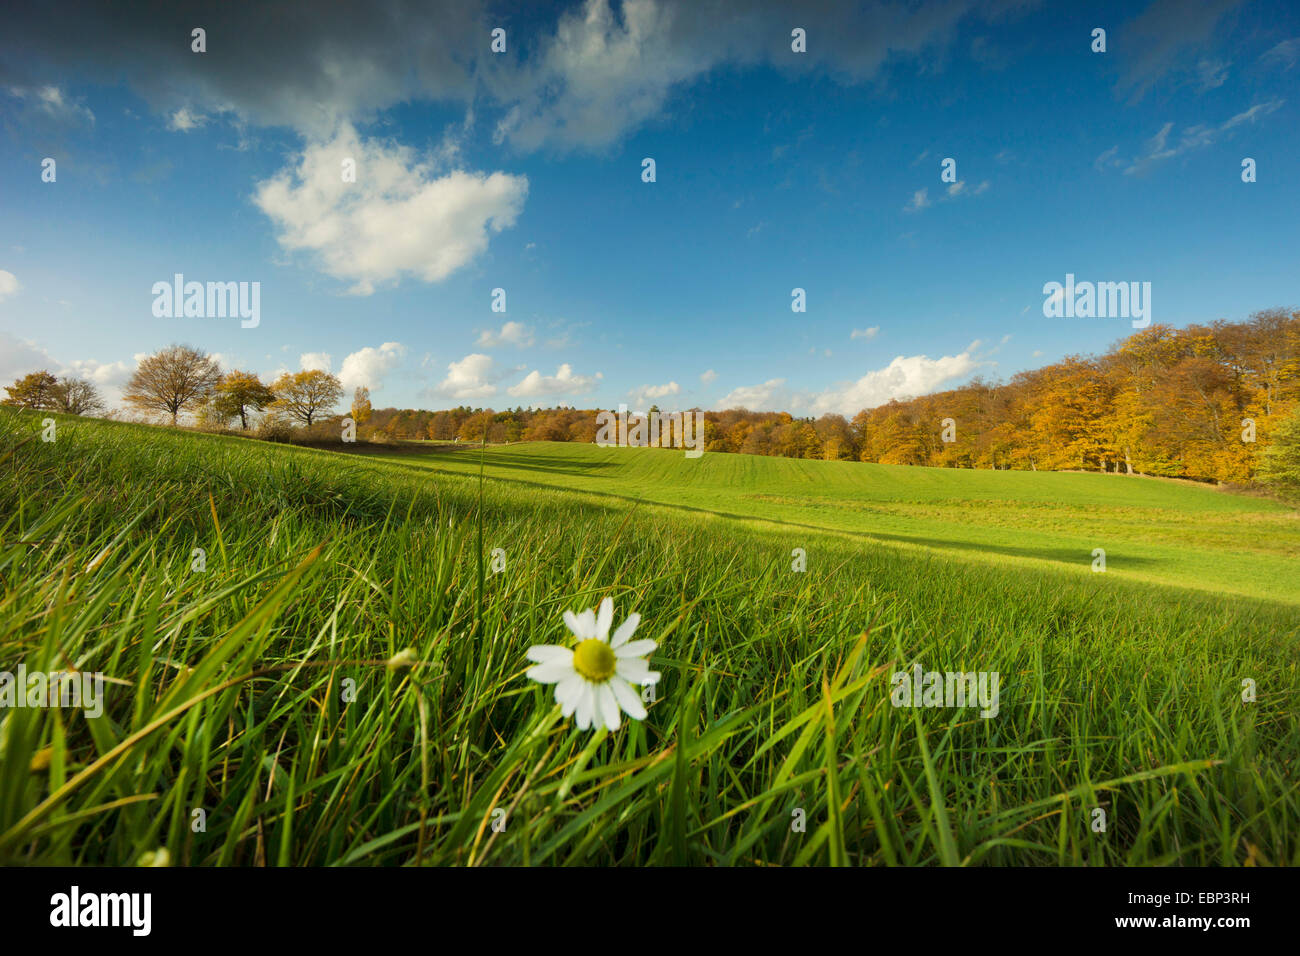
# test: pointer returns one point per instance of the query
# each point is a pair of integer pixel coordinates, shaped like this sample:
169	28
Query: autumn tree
239	393
35	390
76	396
172	381
836	438
361	410
1279	466
306	396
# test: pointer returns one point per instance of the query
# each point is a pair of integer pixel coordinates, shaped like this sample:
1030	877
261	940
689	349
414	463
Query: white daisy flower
599	676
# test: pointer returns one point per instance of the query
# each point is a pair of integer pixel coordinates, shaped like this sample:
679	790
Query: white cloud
399	217
563	382
100	374
315	361
869	333
369	366
708	376
904	377
18	357
184	120
597	77
8	284
512	333
471	377
769	396
647	395
108	377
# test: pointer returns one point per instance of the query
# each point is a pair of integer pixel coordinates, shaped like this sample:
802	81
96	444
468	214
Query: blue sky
522	171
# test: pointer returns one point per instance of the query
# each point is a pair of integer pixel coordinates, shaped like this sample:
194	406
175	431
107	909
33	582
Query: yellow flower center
594	660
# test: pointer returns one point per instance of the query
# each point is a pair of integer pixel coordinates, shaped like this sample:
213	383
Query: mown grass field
1170	532
1120	690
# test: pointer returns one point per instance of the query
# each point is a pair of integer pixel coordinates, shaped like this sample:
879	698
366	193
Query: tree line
1217	402
1205	402
181	380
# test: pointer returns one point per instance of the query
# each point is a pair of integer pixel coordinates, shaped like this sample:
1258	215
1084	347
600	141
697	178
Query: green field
256	690
1160	531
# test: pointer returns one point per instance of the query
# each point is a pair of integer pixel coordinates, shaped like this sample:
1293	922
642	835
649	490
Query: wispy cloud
1161	39
514	334
1283	56
51	102
921	198
1163	145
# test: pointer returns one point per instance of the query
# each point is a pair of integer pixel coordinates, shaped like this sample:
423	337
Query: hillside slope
1160	531
243	602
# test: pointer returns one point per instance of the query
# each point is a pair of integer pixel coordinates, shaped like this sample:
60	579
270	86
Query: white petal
587	620
586	706
544	653
568	692
607	705
636	648
574	623
604	619
625	630
635	671
551	672
627	698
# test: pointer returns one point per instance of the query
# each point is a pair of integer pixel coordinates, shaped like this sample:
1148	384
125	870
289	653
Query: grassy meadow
257	689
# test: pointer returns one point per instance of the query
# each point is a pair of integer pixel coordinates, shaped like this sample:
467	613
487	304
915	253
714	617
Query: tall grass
258	691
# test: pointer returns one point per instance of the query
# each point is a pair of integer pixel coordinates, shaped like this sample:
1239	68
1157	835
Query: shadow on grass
522	462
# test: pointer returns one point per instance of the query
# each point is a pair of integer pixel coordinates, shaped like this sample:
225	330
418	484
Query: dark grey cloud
574	77
302	65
